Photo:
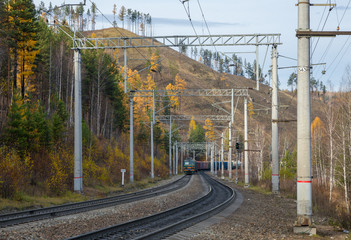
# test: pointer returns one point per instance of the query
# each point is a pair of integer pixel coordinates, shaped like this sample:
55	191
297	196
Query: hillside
199	76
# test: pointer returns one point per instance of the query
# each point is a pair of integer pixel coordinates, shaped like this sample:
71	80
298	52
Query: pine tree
197	134
23	28
122	14
210	134
114	11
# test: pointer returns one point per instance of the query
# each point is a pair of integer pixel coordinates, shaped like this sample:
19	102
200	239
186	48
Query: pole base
305	230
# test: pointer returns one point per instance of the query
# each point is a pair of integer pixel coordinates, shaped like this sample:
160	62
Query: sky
252	17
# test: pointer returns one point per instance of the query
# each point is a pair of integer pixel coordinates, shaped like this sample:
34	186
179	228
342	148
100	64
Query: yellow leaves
93	35
58	179
115	55
317	127
172	89
11	172
144	104
133	79
180	83
27	53
210	134
192	125
250	108
155	57
149	84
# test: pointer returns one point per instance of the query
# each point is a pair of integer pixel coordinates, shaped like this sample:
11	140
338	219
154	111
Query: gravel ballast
67	226
264	216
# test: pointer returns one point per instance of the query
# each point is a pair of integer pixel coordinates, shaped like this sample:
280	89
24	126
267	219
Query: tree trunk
15	65
49	97
105	119
22	80
344	167
331	124
60	73
91	107
98	105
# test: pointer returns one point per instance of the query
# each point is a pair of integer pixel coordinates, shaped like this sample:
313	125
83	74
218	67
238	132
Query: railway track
73	208
169	222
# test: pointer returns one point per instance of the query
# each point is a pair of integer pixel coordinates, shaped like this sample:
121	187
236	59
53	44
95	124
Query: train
189	166
206	165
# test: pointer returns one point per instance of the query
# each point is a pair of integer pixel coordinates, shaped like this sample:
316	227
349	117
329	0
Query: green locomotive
189	166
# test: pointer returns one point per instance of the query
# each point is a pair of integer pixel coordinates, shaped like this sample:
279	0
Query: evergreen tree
197	134
58	121
292	80
122	14
22	33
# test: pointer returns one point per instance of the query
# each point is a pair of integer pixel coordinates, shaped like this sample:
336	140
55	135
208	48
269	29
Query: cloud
182	22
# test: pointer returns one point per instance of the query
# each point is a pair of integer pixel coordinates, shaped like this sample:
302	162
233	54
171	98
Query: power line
344	53
344	13
330	9
118	30
187	11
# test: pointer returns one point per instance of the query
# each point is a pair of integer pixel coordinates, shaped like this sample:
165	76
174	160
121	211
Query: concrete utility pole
176	167
212	155
304	171
215	160
131	140
170	145
257	71
125	66
237	166
275	136
181	157
230	152
247	183
152	135
222	156
78	169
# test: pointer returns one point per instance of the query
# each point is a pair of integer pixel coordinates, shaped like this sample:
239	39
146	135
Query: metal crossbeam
194	93
176	41
193	146
196	117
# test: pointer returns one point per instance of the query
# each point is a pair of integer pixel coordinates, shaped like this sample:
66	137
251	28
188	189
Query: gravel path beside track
264	217
67	226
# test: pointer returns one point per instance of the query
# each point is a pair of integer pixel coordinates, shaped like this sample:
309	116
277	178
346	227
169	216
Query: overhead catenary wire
187	11
339	23
344	53
325	22
330	43
115	27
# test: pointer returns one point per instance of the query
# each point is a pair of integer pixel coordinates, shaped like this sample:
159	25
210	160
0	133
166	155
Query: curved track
169	222
67	209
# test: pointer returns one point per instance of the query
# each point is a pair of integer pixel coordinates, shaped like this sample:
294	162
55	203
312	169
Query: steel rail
181	217
72	208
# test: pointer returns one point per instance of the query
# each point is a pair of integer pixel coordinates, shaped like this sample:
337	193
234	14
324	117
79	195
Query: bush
58	179
11	171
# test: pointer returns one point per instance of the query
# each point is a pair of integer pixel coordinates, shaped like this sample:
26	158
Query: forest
36	102
37	105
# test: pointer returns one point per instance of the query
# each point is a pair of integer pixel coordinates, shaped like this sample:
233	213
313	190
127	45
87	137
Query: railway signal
237	146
